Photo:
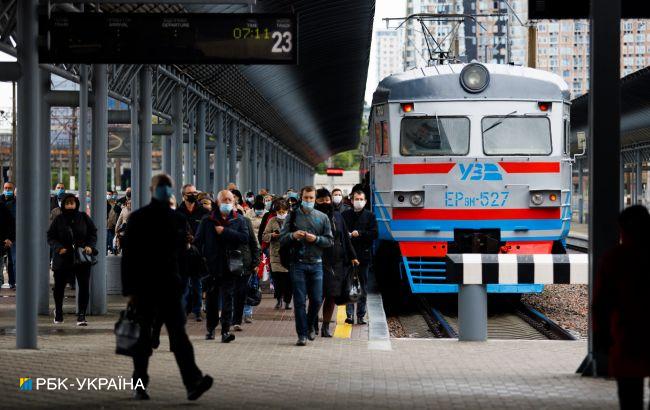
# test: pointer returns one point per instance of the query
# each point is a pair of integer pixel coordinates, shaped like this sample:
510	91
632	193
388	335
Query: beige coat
274	224
256	220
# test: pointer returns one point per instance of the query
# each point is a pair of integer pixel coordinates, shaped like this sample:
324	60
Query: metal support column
135	146
581	191
244	166
42	209
83	132
201	153
472	313
188	153
621	176
166	146
232	151
219	153
98	160
255	186
28	143
145	138
604	154
638	188
177	141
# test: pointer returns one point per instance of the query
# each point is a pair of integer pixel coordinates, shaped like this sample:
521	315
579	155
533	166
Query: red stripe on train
530	167
437	168
475	214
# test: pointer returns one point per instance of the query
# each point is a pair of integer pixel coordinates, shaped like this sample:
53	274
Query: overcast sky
383	9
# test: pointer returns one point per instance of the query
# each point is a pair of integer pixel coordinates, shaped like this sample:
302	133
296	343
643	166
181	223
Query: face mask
250	198
324	208
163	193
293	195
60	192
337	199
267	205
359	204
88	199
225	208
282	217
109	197
191	199
307	206
9	193
128	194
114	197
259	212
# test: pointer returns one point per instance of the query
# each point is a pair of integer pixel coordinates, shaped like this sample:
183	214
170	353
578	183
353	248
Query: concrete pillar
41	253
28	177
135	147
201	153
472	313
99	154
145	137
232	151
177	141
83	132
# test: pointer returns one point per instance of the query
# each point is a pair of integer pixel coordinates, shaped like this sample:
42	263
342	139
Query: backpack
286	250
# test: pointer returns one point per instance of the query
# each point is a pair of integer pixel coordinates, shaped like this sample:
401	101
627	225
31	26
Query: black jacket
342	252
68	229
365	223
194	217
7	227
213	247
152	247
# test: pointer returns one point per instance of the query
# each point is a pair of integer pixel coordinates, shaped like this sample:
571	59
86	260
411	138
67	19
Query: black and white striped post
474	271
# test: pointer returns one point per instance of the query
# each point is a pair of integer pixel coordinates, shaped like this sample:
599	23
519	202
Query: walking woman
279	273
70	231
336	260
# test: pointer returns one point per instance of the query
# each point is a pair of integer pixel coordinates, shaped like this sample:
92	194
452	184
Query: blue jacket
213	247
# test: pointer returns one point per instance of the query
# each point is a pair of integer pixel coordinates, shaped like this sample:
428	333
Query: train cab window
516	135
378	141
429	136
385	140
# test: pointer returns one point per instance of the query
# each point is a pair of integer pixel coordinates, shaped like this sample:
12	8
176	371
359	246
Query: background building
389	52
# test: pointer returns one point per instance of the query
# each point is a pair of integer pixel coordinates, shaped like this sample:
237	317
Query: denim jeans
110	235
361	304
193	296
307	281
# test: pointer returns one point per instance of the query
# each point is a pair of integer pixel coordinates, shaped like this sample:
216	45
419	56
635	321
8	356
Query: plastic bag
351	290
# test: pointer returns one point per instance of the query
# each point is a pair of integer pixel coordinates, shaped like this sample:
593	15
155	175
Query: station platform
263	368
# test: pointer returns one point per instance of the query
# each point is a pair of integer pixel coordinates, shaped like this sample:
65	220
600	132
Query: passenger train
467	158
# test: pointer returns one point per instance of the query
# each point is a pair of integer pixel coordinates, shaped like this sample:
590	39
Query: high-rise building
389	52
562	46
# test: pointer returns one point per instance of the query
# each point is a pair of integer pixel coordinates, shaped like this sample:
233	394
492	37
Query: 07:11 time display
282	40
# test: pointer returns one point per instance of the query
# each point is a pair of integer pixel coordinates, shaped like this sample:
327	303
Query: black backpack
286	250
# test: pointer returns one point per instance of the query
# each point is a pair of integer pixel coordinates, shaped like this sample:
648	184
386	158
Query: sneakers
58	317
311	335
248	319
227	337
81	320
361	321
301	342
237	328
287	306
140	394
201	387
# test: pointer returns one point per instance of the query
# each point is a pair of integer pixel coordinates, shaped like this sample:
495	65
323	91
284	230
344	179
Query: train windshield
424	136
503	135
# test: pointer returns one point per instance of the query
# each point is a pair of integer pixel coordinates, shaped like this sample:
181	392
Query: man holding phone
310	232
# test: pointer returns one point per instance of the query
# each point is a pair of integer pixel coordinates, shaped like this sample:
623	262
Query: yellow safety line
343	330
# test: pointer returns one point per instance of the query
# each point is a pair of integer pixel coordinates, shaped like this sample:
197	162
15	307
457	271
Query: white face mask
359	204
282	216
337	199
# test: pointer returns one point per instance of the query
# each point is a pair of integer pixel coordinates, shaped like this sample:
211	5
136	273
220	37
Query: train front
470	159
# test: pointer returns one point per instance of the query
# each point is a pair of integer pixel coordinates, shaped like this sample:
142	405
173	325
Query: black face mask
66	211
128	194
324	208
191	199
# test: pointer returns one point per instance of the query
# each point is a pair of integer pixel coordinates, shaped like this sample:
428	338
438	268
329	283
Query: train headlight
474	78
537	199
416	199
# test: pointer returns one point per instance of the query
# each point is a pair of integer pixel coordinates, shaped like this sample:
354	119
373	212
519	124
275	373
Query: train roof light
474	78
544	106
407	107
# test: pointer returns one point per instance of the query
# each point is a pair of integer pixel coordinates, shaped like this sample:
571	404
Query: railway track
510	320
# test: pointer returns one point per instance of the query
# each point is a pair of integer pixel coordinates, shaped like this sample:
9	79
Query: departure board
187	38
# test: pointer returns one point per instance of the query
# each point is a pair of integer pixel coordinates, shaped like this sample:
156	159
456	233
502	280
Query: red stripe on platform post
437	168
530	167
475	214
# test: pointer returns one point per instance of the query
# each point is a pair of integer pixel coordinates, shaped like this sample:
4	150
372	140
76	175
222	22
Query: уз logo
25	383
477	171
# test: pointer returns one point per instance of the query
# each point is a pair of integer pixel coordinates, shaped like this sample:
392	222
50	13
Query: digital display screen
191	38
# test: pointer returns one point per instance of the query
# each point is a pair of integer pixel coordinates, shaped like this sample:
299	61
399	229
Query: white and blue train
467	158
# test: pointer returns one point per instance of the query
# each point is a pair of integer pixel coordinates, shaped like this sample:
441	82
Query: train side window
567	137
378	141
385	146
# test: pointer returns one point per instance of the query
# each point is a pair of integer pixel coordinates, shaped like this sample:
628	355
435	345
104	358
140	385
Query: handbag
286	250
127	333
82	258
253	292
351	290
235	262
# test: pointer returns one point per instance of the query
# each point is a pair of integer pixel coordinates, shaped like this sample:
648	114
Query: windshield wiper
500	121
